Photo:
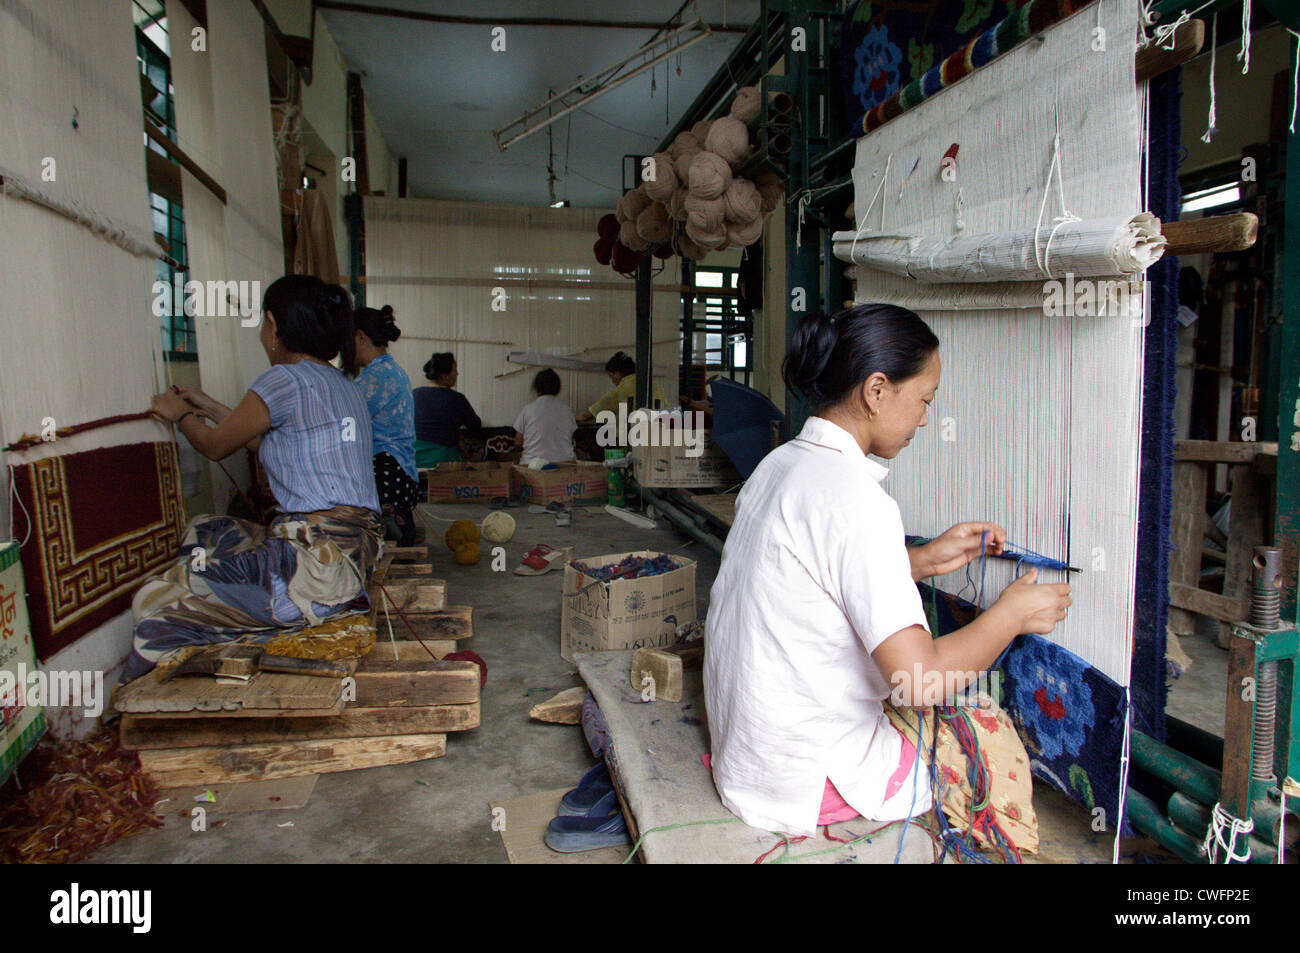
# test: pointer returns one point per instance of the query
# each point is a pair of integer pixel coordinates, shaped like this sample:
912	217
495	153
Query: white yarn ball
497	527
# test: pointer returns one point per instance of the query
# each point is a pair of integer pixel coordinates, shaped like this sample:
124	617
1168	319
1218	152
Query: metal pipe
1186	774
1266	588
683	520
1195	819
1143	813
832	153
504	21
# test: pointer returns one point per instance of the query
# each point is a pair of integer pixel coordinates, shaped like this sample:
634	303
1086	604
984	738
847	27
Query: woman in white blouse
815	621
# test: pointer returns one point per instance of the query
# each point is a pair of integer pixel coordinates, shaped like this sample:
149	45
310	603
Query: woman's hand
955	548
1034	608
169	406
201	403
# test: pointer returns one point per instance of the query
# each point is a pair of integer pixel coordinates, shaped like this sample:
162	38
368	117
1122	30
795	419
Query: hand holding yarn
169	406
960	545
1033	608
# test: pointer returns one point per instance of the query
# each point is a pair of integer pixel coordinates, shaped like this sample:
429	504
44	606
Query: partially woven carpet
98	523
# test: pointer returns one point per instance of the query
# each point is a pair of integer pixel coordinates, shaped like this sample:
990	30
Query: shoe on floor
602	826
595	784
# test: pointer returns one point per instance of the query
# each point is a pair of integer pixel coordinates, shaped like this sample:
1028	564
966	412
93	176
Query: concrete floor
437	811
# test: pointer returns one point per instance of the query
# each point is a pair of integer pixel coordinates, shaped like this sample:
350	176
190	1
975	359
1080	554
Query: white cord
15	498
1123	775
1042	257
1243	55
1295	80
1210	128
1214	834
867	214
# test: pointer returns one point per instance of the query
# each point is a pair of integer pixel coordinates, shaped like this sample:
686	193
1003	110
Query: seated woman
392	417
440	413
311	429
545	427
815	623
622	371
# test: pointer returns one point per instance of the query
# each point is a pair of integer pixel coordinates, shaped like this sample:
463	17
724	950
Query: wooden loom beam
189	165
1155	59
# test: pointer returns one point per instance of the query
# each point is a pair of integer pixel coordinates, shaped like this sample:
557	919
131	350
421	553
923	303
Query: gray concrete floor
437	811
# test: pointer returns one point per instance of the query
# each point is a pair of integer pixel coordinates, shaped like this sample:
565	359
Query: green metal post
1287	509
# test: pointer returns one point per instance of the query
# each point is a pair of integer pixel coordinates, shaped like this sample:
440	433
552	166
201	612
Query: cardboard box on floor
22	722
574	483
625	613
671	467
467	482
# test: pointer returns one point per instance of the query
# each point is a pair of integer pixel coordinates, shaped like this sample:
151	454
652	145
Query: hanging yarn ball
687	247
746	233
677	204
709	175
682	166
604	250
498	527
624	260
685	142
728	138
467	554
742	201
459	533
607	227
705	214
654	225
770	189
632	204
665	178
747	105
701	129
664	251
712	239
629	236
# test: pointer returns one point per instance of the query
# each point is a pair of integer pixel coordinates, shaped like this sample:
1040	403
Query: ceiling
438	91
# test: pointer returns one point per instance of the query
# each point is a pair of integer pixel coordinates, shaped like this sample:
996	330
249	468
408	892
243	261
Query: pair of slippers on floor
542	558
589	817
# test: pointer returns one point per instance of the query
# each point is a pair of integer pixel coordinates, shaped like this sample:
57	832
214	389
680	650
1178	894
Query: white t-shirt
547	425
814	577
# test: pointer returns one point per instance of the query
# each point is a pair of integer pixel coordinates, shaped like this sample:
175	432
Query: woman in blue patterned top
392	417
236	580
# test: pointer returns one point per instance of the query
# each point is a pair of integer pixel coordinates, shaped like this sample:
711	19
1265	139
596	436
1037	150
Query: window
158	100
718	336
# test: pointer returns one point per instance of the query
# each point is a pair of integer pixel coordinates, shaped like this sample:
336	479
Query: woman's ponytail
811	347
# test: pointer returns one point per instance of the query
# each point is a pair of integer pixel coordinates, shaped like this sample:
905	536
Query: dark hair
439	365
829	357
621	364
547	382
312	317
378	325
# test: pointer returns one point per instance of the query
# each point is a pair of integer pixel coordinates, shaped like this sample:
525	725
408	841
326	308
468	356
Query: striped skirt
234	579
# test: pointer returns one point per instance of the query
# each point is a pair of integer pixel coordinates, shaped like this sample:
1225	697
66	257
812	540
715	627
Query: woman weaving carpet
311	429
816	629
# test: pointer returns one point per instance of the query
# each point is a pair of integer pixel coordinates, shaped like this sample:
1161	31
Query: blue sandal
602	826
595	784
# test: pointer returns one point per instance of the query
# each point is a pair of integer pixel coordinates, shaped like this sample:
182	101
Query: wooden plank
189	165
143	732
409	570
406	650
1186	533
564	708
282	794
1152	60
178	767
417	594
452	622
416	683
1245	531
1238	726
265	694
1207	603
1214	233
1222	451
408	554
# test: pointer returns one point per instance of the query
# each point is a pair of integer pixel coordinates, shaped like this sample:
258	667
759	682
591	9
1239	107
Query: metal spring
1261	762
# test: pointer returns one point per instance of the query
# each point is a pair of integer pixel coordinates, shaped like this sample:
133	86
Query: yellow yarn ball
467	554
460	533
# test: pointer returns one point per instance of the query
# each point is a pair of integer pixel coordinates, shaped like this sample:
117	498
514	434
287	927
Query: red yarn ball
607	227
604	249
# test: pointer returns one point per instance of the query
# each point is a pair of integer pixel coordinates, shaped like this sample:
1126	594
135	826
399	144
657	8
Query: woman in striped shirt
309	424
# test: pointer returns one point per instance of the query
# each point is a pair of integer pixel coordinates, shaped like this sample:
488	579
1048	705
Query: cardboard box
21	724
625	613
467	482
579	483
671	467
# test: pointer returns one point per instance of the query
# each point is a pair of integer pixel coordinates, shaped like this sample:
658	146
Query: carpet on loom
1069	714
946	40
97	523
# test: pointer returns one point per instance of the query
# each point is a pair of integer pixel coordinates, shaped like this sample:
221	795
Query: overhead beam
372	10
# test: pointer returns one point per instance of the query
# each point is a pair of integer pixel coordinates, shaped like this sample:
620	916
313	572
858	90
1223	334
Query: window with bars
158	99
720	335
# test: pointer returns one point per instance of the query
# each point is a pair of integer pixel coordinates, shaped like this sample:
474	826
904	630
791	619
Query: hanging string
1243	55
1214	836
14	498
1211	127
1295	80
880	189
1042	257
